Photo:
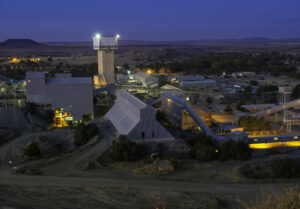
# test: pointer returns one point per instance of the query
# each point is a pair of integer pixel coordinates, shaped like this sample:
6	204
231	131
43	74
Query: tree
80	137
248	89
228	109
209	100
126	66
32	150
174	162
91	130
49	59
49	114
126	150
84	133
205	153
253	82
234	150
161	116
296	92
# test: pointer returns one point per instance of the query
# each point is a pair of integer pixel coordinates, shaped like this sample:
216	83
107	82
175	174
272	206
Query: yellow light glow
295	137
61	118
149	71
275	138
274	144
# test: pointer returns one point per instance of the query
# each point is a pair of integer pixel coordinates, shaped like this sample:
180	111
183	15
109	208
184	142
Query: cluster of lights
98	36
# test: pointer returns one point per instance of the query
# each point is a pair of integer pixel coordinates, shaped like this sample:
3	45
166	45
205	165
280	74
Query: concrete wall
75	98
106	66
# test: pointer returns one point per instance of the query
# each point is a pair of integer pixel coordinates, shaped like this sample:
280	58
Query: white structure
105	45
73	95
147	80
285	94
135	119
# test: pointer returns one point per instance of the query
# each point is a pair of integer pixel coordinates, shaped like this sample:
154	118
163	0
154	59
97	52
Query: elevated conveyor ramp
194	115
278	108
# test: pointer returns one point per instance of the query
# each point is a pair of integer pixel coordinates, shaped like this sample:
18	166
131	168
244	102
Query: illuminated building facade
73	97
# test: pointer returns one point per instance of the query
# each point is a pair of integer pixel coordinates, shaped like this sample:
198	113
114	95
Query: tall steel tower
106	46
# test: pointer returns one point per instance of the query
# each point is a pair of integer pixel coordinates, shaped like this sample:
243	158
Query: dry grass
289	200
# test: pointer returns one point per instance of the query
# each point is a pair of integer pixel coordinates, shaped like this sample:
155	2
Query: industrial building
135	119
147	80
182	114
70	97
105	45
208	83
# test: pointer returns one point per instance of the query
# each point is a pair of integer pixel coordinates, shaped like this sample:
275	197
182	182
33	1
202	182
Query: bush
283	168
84	133
91	130
234	150
161	116
160	149
289	200
32	150
174	162
277	168
126	150
49	114
29	107
205	153
204	148
200	138
228	109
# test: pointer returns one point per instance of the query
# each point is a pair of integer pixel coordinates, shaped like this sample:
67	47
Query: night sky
78	20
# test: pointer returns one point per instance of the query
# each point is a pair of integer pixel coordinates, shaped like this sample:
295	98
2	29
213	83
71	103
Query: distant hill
20	43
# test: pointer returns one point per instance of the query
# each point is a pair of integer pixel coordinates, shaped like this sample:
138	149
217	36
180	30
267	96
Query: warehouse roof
81	80
35	75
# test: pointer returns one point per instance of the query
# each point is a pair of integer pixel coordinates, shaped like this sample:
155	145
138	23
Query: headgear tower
106	45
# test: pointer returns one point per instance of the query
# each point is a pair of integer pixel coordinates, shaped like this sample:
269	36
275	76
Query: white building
135	119
70	94
147	80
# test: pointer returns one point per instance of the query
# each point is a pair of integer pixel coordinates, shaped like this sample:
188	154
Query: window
152	134
143	134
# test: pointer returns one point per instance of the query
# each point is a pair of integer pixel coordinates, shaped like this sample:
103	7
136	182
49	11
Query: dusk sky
78	20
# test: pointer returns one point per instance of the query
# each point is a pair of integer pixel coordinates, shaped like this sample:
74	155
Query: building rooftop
173	97
258	106
132	99
79	80
35	75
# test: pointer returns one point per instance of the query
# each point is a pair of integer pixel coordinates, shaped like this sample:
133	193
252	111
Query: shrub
160	149
49	114
289	200
200	138
234	150
126	150
84	133
174	162
283	168
205	153
29	107
91	130
32	150
228	109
